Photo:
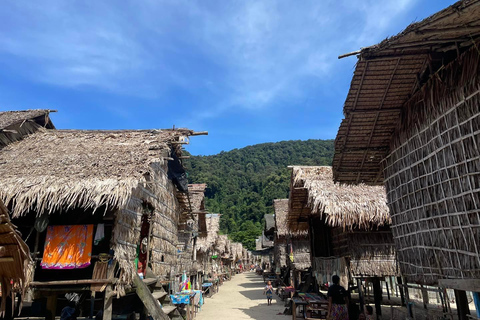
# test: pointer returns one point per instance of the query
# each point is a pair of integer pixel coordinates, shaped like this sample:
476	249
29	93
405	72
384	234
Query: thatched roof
193	204
386	77
312	191
281	211
14	125
269	223
57	169
16	260
213	225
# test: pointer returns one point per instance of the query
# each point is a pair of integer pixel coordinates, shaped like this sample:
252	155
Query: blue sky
246	71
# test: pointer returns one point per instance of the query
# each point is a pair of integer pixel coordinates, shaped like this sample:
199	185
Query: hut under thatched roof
385	78
280	242
14	125
343	222
191	223
121	180
15	266
411	123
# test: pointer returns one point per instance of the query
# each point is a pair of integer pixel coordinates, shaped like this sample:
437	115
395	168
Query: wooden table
296	302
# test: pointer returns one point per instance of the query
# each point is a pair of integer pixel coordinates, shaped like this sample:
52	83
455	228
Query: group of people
338	301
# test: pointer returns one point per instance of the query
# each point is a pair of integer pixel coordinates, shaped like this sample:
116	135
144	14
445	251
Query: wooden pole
377	296
400	288
51	306
424	296
476	300
360	295
462	304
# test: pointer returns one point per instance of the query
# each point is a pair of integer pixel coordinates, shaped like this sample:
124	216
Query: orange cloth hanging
68	247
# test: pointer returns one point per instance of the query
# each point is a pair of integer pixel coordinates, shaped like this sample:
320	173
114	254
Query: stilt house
412	122
96	208
348	226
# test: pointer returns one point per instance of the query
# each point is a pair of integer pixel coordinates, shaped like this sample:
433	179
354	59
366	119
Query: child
369	312
269	292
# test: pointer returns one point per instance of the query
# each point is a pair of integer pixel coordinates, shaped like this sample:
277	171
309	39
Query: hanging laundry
99	234
68	247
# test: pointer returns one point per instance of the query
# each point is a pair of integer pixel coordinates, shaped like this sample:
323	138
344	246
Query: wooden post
360	295
462	304
148	300
388	291
51	306
476	300
377	296
400	288
424	296
107	303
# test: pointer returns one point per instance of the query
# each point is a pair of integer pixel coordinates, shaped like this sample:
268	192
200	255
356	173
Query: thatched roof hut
342	220
411	122
281	231
99	176
15	266
385	78
191	223
269	224
14	125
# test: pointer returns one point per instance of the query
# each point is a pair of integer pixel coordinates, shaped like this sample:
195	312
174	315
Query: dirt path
241	298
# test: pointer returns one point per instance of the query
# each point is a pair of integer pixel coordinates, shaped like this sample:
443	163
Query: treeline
242	183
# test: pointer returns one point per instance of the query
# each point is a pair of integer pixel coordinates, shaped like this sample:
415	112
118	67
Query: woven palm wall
432	176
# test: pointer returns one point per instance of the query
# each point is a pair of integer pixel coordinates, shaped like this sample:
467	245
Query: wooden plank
150	303
460	284
69	282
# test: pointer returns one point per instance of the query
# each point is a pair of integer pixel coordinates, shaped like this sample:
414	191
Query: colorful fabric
339	312
180	298
68	247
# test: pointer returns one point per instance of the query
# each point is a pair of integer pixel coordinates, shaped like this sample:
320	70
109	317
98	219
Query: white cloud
249	53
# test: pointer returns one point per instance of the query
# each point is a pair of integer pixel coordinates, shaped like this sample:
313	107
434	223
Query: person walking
269	292
337	301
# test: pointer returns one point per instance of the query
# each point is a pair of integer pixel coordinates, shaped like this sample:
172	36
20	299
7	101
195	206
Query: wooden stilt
462	304
360	295
424	296
51	307
377	296
107	303
476	300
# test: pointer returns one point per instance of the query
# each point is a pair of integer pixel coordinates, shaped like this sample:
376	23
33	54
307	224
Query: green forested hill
242	183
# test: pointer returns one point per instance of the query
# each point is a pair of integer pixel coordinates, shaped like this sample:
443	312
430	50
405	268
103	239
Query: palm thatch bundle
16	263
280	207
236	251
14	125
346	206
60	169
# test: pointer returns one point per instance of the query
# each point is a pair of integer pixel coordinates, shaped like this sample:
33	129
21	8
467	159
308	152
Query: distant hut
190	225
14	125
281	231
206	245
113	193
412	123
348	225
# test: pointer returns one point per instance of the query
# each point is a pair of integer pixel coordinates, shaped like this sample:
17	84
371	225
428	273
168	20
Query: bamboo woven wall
433	176
160	193
280	252
301	252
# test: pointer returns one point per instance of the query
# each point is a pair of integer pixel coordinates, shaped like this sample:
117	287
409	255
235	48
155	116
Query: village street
242	298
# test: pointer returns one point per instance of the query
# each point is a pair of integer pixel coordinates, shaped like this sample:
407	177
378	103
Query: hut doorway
143	254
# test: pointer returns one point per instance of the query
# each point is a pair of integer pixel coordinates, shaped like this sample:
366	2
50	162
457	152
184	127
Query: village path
242	298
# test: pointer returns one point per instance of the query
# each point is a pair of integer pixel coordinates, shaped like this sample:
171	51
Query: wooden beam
150	303
70	282
461	284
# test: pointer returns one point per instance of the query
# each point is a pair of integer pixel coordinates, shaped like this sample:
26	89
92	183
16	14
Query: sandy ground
242	298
